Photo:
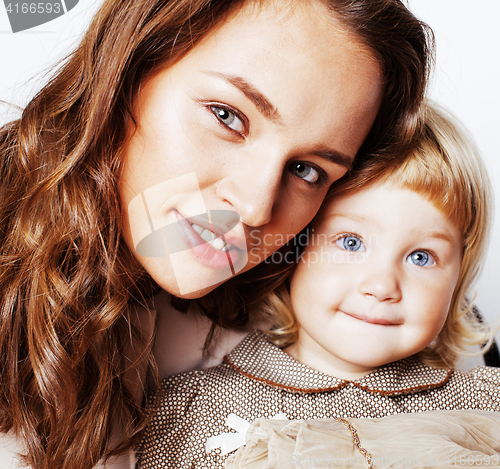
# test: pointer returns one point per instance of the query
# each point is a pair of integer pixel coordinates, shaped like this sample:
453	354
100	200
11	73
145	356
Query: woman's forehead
322	81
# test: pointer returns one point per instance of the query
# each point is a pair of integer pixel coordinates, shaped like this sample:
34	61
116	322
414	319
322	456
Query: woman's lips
372	320
221	223
204	252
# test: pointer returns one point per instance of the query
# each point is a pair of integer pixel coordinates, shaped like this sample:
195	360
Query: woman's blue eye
351	243
228	118
305	172
420	258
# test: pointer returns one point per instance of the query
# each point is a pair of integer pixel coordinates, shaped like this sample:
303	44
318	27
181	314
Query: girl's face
241	139
376	281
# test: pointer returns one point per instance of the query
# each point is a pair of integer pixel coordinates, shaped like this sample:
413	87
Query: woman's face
240	140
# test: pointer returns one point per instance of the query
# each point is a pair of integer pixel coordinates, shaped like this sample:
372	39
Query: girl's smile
379	286
372	319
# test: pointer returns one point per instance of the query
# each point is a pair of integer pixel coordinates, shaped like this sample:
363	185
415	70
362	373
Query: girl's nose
381	283
252	189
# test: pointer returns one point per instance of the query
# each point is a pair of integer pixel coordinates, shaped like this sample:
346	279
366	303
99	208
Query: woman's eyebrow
270	112
335	156
264	106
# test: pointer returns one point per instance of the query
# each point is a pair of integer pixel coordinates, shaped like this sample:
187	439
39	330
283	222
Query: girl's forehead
386	204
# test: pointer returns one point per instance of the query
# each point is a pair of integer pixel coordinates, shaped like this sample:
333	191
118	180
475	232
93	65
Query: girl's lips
370	320
204	252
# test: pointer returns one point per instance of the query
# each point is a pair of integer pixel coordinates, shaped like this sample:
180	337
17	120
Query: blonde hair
447	169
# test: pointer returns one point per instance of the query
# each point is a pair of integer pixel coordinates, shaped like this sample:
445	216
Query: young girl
375	316
245	107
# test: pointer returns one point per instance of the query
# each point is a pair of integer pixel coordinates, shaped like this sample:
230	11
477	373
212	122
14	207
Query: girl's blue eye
351	243
305	172
420	258
228	118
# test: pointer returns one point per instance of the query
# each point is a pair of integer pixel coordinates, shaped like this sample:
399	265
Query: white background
466	80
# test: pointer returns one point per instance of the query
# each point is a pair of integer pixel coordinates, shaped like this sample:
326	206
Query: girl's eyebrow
421	233
265	107
351	216
443	235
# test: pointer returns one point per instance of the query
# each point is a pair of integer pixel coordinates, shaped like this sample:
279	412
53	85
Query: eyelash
431	254
237	114
342	236
322	180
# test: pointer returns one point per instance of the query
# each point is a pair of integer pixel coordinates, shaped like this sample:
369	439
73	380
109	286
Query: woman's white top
178	347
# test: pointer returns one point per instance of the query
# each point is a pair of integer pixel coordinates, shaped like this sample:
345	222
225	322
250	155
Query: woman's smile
211	249
262	134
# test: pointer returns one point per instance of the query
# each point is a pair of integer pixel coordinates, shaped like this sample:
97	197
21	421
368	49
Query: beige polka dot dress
259	380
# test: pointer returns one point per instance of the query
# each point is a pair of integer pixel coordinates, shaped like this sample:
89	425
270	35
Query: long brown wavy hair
67	339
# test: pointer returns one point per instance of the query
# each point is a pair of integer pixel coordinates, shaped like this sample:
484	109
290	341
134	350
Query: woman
171	119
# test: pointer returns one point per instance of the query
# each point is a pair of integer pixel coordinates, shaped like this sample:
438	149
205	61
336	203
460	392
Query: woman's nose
253	189
381	282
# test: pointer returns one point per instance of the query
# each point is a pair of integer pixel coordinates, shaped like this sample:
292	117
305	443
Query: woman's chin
184	281
184	276
190	295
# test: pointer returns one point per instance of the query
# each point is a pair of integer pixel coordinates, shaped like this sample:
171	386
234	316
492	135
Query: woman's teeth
210	238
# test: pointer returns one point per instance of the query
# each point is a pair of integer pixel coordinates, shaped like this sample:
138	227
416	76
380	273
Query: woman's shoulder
179	343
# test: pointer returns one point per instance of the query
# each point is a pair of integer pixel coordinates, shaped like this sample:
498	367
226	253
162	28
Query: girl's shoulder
179	393
171	404
482	374
182	382
482	383
486	374
182	386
